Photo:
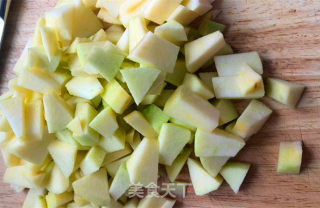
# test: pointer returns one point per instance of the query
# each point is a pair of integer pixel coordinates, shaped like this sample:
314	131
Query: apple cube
131	9
230	65
105	16
208	26
116	97
50	42
163	97
199	51
123	43
252	119
67	137
132	203
199	6
34	199
121	182
250	80
114	143
57	112
213	164
183	105
105	122
58	183
155	116
113	167
172	139
175	168
285	92
206	78
217	143
93	160
137	30
158	11
156	202
114	33
15	176
155	52
139	81
203	183
178	74
85	87
194	84
36	40
101	35
290	157
140	123
112	6
228	111
183	15
143	163
172	31
158	85
113	156
183	124
57	200
234	174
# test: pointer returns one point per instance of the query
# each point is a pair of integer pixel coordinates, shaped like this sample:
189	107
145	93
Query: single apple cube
115	142
15	176
206	78
111	6
199	51
194	84
250	80
116	97
177	76
155	116
114	33
113	156
230	65
228	111
57	200
208	26
285	92
34	199
183	124
64	155
113	167
234	174
132	203
93	160
155	52
199	6
131	9
163	97
183	15
84	48
139	81
58	183
158	11
143	163
252	119
140	123
184	105
121	182
213	164
36	40
105	122
158	85
105	16
137	30
217	143
172	31
86	87
172	139
123	43
203	183
67	137
156	202
10	160
50	42
290	157
175	168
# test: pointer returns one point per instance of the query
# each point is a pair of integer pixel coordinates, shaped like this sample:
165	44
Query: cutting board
286	33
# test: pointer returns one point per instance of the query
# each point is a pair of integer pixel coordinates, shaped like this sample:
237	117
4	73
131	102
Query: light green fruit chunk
115	142
86	87
228	111
230	65
49	41
198	6
203	183
177	165
183	15
171	31
208	26
252	119
121	182
184	105
37	58
155	116
139	81
123	43
105	122
158	11
156	202
155	52
113	156
113	167
132	203
64	155
137	30
234	174
163	97
34	200
183	124
214	164
172	139
194	84
93	160
58	183
285	92
57	200
199	51
143	163
290	156
250	80
206	78
177	76
114	33
217	143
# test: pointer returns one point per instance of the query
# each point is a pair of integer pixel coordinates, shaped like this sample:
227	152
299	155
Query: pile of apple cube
108	90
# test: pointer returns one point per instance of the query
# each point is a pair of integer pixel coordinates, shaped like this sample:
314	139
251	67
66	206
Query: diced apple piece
139	123
116	97
113	167
199	51
105	16
57	200
206	78
183	124
172	31
230	65
177	165
123	43
64	155
285	92
50	42
57	112
14	110
34	200
290	157
194	84
101	35
93	160
234	173
105	122
156	202
172	139
214	164
217	143
143	163
203	183
252	119
66	136
163	97
250	80
155	116
183	15
208	26
36	40
37	58
114	143
131	9
114	33
155	52
177	76
58	183
183	105
158	11
111	157
112	6
139	81
15	176
86	87
132	203
137	30
158	85
198	6
228	111
121	182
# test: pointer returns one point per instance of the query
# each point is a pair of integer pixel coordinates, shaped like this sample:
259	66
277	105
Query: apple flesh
105	122
137	30
113	156
250	80
227	110
123	43
158	11
113	167
156	202
290	157
171	31
183	15
58	183
85	87
121	182
114	33
93	160
206	78
132	203
34	199
208	26
194	84
114	143
104	15
57	200
155	116
213	164
175	168
177	76
199	6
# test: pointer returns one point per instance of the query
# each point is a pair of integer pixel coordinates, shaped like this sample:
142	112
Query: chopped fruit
171	31
177	76
93	160
121	182
290	157
213	164
194	84
227	110
183	15
207	26
198	6
155	116
177	165
85	87
158	11
137	30
156	202
105	122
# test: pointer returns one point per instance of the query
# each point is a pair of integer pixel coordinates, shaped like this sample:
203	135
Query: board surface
286	33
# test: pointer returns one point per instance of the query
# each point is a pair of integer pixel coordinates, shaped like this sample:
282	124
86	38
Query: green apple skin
290	157
234	174
177	165
213	164
155	116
